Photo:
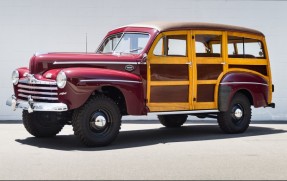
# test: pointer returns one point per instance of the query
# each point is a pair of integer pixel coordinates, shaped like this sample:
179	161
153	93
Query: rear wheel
238	117
42	124
98	122
172	121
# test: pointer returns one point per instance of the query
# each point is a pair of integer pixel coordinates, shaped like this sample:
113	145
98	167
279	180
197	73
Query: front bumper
35	106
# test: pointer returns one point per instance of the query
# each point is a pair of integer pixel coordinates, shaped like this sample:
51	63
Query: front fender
255	86
82	82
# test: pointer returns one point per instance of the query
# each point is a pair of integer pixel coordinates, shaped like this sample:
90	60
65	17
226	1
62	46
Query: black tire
98	121
172	121
42	124
238	116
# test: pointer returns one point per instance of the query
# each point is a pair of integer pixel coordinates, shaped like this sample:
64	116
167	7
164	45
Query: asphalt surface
145	150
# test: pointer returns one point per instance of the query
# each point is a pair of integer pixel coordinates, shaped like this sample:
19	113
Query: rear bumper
272	105
35	106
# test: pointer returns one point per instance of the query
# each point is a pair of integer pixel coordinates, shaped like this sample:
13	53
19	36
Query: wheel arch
115	94
252	84
247	93
129	98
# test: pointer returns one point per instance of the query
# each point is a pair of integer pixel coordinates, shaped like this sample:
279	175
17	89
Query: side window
208	45
176	45
158	50
173	45
240	47
231	49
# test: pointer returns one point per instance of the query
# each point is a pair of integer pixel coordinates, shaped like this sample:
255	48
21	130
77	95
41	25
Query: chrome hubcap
238	113
100	121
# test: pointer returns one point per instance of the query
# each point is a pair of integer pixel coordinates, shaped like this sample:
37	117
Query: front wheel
42	124
238	116
98	122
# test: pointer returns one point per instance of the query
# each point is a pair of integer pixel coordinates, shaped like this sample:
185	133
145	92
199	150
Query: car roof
168	26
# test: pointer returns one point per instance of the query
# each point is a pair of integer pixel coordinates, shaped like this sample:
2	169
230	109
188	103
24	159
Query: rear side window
208	45
173	45
240	47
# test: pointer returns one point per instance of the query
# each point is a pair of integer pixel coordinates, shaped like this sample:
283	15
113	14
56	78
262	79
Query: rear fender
254	86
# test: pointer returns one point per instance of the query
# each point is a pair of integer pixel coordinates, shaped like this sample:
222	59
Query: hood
40	63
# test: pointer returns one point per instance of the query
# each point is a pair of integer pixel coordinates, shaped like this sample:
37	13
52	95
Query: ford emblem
129	68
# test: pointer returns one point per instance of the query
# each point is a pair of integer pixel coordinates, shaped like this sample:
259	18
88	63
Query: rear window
240	47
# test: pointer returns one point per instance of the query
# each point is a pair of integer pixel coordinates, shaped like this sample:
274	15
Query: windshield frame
122	35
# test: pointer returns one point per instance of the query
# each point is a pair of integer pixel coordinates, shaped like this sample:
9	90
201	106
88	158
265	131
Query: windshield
132	43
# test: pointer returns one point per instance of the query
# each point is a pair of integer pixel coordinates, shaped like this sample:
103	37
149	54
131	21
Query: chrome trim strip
35	92
35	87
254	83
35	81
37	97
106	80
100	62
183	112
38	106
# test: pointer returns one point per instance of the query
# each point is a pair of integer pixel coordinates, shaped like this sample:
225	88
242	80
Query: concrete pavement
146	150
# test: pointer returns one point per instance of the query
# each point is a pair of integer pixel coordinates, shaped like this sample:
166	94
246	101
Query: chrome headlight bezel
15	77
61	79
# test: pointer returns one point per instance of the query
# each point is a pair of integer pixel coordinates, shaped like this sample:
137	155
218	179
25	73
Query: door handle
189	63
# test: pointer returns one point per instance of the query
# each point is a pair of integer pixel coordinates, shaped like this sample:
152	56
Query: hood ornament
31	78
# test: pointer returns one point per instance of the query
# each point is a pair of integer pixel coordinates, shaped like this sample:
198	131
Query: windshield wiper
133	50
136	49
118	42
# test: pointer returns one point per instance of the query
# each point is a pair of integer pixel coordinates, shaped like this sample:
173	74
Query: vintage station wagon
169	69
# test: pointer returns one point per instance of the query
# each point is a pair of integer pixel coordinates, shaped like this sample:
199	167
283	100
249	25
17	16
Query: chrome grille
39	92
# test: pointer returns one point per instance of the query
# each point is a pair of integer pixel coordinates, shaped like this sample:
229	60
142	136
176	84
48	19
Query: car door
169	72
209	62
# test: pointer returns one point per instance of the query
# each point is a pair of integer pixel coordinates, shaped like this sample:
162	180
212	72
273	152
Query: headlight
15	77
61	79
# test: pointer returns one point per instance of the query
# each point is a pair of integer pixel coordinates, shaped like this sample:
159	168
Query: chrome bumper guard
31	106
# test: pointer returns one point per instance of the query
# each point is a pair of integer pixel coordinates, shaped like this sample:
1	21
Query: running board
184	112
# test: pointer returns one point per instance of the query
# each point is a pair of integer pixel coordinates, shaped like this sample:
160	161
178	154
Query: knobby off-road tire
172	121
41	124
98	121
238	116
